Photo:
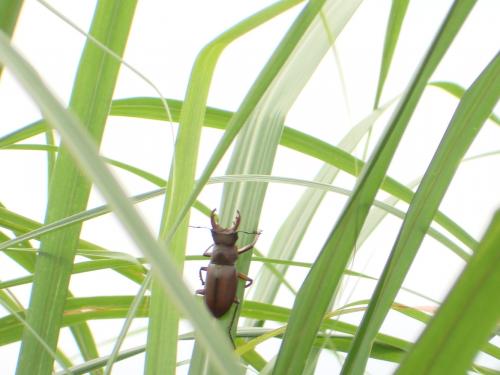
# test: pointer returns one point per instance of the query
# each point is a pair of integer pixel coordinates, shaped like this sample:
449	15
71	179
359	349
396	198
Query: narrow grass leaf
135	305
162	339
21	224
9	13
83	149
458	91
301	142
467	317
69	190
257	143
310	306
396	17
291	232
295	140
262	116
473	110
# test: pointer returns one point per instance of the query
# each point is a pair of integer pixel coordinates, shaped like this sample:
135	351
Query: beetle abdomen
220	288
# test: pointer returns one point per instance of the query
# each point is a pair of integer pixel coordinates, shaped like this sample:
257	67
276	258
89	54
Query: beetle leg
250	245
200	291
237	302
207	253
246	278
201	278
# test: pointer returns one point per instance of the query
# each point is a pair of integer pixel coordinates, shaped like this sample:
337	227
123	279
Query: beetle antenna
240	231
198	227
255	232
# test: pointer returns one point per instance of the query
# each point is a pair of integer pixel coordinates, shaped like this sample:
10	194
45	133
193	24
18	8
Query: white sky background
164	41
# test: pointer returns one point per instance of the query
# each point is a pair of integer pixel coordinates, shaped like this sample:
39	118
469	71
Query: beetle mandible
222	277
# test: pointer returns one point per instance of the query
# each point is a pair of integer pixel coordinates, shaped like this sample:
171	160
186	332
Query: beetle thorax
227	238
224	254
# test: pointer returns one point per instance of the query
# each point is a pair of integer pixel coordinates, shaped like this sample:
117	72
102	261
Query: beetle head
225	236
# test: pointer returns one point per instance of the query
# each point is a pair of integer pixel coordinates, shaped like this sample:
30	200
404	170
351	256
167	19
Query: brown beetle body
220	288
222	277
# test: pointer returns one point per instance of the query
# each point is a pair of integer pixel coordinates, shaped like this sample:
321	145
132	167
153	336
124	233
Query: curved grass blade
473	110
396	17
262	116
81	309
82	148
69	190
93	251
21	224
310	306
466	318
9	13
291	138
291	232
297	141
262	83
81	332
43	344
131	314
458	91
161	350
257	143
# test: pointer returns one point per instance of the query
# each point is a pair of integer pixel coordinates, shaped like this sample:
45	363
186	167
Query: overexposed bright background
164	41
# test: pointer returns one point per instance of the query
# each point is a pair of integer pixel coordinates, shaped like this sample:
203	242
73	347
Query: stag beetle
222	277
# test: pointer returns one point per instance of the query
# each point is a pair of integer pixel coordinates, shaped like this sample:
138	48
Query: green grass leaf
161	354
69	190
466	318
309	306
473	110
83	149
458	91
396	17
9	13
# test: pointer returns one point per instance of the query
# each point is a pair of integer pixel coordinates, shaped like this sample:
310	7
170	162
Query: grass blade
83	149
291	138
310	306
262	116
467	317
69	190
161	354
398	12
291	232
9	12
458	91
151	108
162	338
473	110
257	143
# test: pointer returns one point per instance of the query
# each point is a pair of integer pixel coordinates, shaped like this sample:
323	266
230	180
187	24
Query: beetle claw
212	219
236	222
217	228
